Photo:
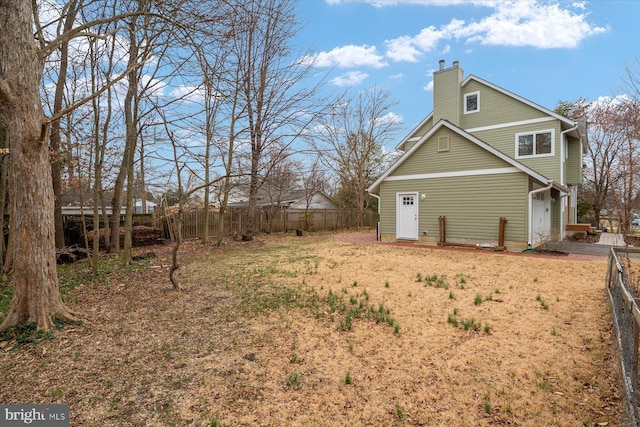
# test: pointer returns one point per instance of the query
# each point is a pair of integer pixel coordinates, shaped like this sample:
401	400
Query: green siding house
483	154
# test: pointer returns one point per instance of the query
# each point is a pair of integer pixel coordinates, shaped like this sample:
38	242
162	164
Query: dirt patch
312	330
632	240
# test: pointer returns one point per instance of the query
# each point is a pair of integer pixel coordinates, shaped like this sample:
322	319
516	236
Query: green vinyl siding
447	101
462	155
416	134
409	144
555	213
574	162
472	206
504	139
422	130
495	108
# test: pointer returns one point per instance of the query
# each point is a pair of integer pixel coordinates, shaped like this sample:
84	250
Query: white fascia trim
443	123
410	134
511	124
454	174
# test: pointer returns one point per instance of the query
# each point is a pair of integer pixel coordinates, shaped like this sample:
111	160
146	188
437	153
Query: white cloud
390	117
188	93
350	79
406	48
349	56
526	23
429	86
511	23
603	101
402	49
154	87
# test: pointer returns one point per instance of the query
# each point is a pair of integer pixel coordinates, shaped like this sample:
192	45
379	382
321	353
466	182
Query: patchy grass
276	332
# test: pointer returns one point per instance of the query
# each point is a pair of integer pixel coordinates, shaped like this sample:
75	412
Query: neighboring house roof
375	187
72	199
289	198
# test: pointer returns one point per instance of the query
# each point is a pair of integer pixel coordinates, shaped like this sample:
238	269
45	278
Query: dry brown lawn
318	331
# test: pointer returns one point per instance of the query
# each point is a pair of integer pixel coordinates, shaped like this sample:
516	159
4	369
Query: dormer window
471	102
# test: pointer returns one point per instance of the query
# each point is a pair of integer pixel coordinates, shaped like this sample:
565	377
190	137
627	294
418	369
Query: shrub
579	235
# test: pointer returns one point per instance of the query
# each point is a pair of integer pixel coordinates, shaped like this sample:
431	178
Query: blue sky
544	51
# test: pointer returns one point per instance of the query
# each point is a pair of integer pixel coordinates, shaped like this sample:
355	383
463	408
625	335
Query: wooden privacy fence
622	289
236	220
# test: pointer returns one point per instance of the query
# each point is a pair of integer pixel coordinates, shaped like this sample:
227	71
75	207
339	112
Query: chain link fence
623	286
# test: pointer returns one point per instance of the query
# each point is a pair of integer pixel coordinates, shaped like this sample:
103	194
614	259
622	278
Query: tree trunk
36	295
131	125
54	141
253	192
4	166
116	205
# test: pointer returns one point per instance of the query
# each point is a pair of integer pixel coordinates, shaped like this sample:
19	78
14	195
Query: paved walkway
611	239
577	249
602	248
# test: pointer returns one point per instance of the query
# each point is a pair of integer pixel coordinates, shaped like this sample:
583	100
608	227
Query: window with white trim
471	102
534	144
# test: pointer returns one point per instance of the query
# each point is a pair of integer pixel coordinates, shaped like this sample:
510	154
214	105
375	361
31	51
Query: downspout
530	209
378	224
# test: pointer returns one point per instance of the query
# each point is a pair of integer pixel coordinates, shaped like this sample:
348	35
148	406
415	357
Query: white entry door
407	216
541	216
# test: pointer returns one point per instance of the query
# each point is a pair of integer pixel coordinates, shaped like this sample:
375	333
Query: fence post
443	230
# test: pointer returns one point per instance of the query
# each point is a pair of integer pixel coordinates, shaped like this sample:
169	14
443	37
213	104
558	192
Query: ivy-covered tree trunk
36	295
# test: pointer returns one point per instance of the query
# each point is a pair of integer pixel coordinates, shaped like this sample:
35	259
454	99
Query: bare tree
283	178
36	296
56	160
270	83
602	153
625	186
631	126
211	63
349	142
313	181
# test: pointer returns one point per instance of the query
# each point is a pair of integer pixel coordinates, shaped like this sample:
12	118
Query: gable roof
444	123
566	121
577	133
